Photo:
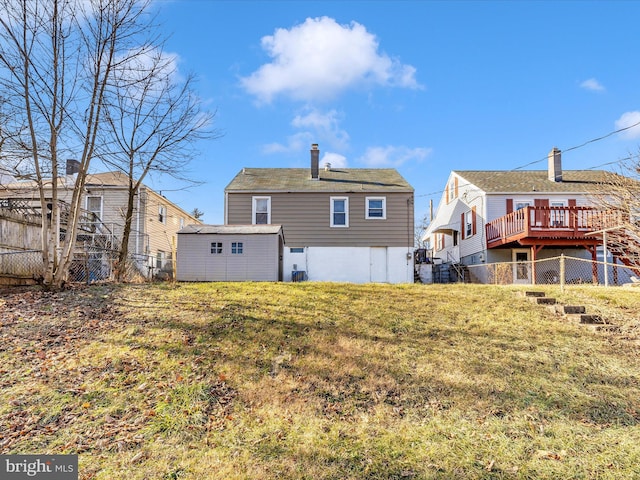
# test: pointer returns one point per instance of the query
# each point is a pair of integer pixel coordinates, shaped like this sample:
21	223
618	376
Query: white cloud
295	143
325	127
319	59
390	156
593	85
335	159
630	121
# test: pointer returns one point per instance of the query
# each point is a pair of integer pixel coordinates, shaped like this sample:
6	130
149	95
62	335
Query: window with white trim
261	211
94	205
339	211
162	214
216	248
376	208
468	224
237	248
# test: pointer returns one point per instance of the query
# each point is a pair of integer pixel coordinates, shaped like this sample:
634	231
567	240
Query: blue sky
422	86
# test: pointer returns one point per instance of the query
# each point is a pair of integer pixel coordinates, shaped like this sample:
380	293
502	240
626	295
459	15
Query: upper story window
94	205
522	204
339	211
261	211
162	214
237	248
216	248
181	223
376	208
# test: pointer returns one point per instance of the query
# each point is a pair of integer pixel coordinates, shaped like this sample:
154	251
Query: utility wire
576	147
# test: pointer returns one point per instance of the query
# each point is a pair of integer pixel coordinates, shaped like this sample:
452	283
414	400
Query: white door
378	264
521	265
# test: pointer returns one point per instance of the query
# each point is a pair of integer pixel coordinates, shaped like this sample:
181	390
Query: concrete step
532	294
586	319
568	309
543	300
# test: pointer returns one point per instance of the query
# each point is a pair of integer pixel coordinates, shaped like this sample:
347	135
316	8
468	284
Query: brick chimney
555	165
73	167
315	161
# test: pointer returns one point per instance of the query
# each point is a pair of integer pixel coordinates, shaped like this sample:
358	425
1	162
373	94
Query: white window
237	248
339	211
216	248
160	257
181	223
468	224
557	214
261	211
522	204
452	190
94	205
376	208
162	214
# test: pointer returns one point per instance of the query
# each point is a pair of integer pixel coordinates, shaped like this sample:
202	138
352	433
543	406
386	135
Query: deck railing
549	222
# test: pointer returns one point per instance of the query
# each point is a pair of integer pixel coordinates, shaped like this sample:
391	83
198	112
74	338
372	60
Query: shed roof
333	180
231	229
517	181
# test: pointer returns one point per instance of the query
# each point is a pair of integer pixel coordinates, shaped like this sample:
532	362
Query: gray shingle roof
334	180
231	229
514	181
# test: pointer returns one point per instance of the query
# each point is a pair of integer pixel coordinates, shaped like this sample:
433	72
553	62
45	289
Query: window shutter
463	227
509	205
572	202
455	190
446	193
473	221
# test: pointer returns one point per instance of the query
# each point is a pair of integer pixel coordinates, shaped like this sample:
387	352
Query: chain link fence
90	264
553	271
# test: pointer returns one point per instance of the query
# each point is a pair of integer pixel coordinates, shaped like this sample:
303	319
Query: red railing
548	222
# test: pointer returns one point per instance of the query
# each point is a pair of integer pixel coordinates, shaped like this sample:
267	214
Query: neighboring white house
515	216
230	253
340	224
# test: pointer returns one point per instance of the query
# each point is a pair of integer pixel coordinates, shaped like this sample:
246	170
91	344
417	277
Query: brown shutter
473	221
509	205
572	202
463	227
446	193
455	184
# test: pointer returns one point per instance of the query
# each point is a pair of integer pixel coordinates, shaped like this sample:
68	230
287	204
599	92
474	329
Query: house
340	224
156	220
514	216
230	253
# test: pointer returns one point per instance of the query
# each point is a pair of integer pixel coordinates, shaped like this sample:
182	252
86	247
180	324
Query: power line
569	149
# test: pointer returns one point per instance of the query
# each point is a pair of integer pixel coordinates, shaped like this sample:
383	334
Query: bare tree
57	59
154	118
618	196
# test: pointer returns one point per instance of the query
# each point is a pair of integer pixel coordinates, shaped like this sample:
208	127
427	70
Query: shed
209	253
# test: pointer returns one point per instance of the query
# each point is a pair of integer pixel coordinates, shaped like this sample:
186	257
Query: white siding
349	264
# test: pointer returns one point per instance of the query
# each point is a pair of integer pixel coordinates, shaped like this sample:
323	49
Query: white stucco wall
351	264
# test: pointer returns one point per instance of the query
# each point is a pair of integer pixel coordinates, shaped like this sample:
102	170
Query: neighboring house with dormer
514	216
339	224
156	220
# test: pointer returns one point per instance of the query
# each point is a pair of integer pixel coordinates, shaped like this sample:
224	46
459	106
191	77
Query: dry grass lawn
315	380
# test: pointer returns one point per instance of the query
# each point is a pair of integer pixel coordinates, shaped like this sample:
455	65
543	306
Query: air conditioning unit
298	276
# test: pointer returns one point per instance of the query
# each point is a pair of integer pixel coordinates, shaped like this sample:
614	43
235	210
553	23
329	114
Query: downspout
226	208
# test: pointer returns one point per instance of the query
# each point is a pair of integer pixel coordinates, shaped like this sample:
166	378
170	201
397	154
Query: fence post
562	270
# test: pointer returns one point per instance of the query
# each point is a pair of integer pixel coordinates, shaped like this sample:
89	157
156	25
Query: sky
425	87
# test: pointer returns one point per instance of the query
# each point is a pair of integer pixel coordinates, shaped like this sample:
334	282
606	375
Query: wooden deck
561	226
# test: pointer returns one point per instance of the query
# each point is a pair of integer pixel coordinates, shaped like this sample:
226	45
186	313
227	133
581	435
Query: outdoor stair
572	313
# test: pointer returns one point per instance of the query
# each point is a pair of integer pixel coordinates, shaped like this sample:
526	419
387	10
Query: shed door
378	264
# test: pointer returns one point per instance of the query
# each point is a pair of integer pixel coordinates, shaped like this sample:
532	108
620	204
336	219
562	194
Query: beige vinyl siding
305	218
